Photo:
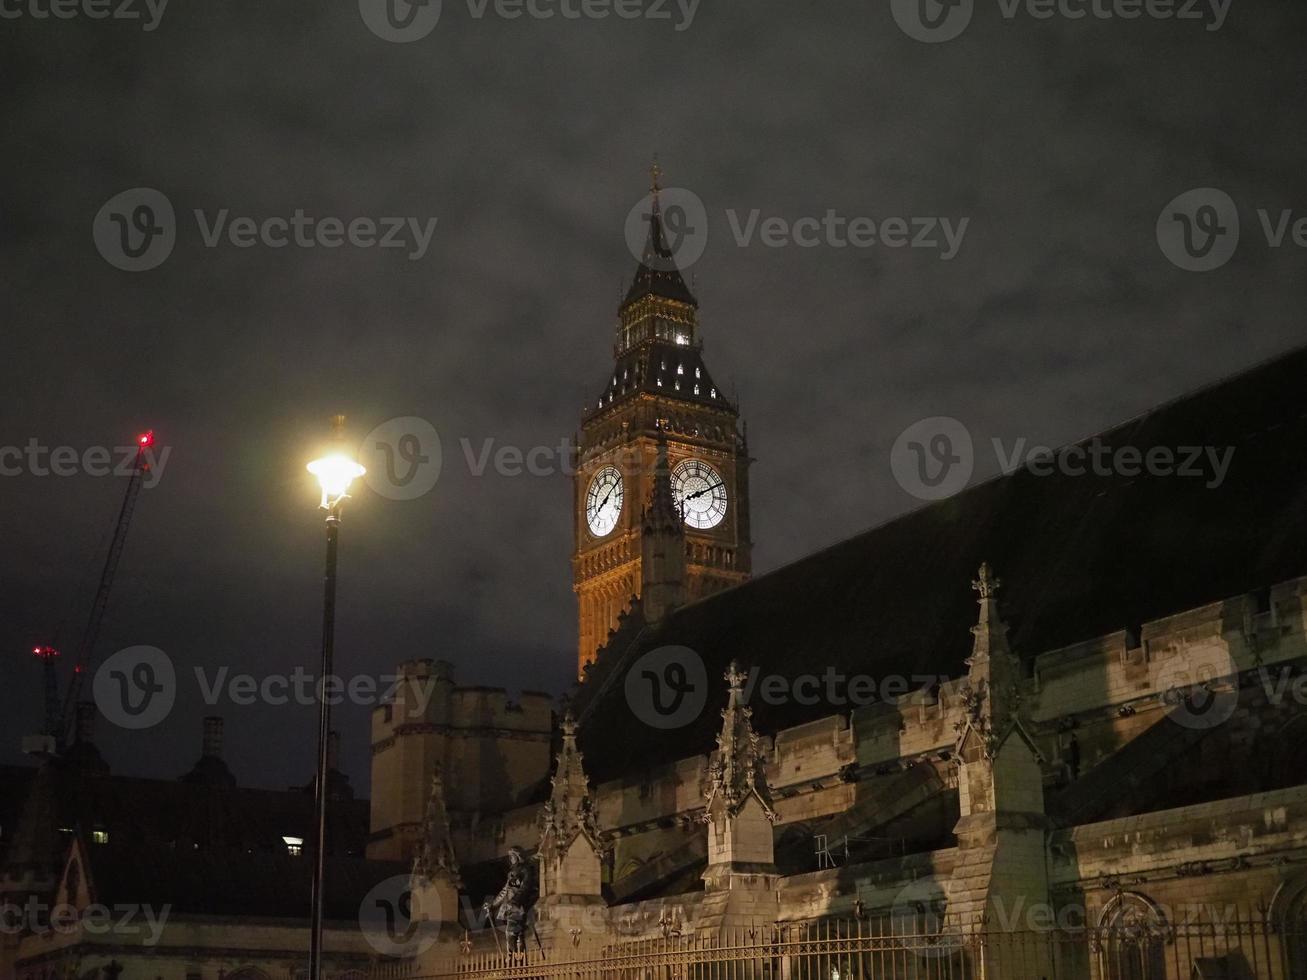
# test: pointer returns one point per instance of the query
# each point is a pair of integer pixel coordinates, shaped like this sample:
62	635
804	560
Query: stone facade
1003	763
491	751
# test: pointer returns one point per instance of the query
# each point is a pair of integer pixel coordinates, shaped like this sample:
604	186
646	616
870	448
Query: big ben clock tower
661	495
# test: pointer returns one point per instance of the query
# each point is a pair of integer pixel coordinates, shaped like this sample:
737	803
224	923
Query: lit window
698	372
680	369
712	392
682	339
294	846
100	836
678	385
696	389
660	382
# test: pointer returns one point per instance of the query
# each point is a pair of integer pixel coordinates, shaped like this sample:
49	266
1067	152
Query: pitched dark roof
1079	557
657	273
668	370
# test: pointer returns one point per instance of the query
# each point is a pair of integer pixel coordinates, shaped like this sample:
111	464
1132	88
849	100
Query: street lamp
335	472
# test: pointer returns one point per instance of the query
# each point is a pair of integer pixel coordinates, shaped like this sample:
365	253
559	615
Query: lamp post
335	472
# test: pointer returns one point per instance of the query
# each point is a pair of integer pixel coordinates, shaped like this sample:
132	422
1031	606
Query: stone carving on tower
1002	825
737	801
662	544
571	850
735	772
991	695
435	878
659	390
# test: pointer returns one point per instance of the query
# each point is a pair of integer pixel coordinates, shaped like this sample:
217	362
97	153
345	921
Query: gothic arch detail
1132	937
1287	918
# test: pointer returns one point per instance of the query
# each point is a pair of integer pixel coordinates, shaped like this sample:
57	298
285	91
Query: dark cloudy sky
529	140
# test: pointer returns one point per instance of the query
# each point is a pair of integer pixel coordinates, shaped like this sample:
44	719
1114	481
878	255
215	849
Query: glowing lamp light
335	472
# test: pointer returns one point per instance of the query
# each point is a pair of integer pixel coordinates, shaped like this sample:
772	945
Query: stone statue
513	904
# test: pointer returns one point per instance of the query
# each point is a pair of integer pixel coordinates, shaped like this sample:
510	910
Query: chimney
333	751
86	722
212	744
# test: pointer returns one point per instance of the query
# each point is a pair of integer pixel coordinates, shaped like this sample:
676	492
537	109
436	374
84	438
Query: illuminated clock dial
700	493
603	501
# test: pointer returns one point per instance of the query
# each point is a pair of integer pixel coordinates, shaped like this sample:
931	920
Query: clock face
603	501
700	493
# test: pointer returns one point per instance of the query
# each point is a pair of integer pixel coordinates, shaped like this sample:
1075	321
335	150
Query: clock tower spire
660	414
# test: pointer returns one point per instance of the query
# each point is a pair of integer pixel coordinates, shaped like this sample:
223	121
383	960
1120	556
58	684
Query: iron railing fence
1243	946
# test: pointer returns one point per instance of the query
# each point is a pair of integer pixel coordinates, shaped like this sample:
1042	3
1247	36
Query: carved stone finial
435	856
735	774
988	583
735	678
569	812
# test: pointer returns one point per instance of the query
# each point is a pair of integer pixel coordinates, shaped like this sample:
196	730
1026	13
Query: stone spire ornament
735	774
662	543
434	880
1002	825
741	878
992	692
435	856
571	849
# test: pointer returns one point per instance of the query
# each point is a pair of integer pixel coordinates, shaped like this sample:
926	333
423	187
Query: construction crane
60	721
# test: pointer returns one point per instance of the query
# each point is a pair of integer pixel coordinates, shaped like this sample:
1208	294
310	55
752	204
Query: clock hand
700	493
606	496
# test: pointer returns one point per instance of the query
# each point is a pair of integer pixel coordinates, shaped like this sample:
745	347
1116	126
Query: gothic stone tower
660	401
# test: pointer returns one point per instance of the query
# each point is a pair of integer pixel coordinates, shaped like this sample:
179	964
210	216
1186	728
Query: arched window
1132	939
1288	920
